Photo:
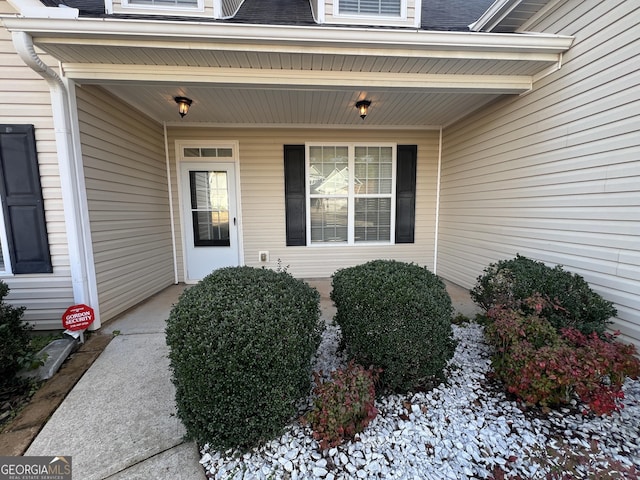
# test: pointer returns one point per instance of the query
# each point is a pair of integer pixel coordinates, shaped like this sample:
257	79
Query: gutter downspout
437	221
73	196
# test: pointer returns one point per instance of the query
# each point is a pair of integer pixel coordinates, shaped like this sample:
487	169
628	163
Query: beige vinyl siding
25	99
555	174
127	193
262	201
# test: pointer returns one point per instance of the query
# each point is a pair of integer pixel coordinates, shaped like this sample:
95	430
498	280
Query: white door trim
180	145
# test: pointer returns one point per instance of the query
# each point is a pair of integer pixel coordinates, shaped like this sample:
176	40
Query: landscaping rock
462	429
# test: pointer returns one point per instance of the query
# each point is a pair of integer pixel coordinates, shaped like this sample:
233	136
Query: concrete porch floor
119	421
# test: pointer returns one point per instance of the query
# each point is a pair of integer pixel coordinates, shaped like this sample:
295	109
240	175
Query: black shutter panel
294	195
407	156
22	200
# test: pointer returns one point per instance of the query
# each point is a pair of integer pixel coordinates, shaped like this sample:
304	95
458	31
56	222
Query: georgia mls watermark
35	468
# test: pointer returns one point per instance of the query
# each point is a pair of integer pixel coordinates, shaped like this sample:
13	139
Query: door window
210	208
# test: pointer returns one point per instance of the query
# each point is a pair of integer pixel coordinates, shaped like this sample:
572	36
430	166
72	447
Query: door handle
234	221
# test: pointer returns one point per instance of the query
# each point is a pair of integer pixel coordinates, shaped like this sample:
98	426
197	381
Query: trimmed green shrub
241	343
571	302
397	317
15	353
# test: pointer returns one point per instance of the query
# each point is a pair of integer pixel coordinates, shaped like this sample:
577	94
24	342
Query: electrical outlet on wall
263	256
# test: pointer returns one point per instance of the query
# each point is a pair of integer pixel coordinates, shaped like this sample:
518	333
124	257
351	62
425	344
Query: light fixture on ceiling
183	105
363	107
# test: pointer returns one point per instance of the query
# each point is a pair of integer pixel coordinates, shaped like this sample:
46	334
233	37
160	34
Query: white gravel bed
463	429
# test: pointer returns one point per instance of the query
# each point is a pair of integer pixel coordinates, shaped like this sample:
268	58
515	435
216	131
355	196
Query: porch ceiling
244	105
266	75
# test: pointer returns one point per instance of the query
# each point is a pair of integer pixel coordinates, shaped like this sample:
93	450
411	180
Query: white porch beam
428	52
305	79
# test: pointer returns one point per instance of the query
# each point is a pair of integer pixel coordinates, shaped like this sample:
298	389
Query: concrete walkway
119	420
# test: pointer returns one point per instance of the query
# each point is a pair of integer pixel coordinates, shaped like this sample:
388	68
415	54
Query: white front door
210	217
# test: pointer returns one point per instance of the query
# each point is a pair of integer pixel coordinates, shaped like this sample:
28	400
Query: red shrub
545	367
344	405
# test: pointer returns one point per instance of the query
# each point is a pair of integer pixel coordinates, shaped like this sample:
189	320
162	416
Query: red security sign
78	317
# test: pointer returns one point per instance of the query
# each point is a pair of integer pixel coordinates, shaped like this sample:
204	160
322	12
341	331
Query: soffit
246	106
306	76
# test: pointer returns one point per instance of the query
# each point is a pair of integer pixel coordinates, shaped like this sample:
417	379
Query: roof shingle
454	15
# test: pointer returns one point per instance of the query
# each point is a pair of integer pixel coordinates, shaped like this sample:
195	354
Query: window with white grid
386	8
351	194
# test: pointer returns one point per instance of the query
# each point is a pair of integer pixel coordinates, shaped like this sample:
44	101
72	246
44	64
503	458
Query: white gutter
300	39
71	179
35	9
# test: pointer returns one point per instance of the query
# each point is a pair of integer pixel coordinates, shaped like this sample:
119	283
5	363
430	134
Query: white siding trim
437	220
171	210
6	258
82	214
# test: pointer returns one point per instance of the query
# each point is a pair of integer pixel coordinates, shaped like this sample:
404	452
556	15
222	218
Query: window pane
191	152
373	170
211	228
209	152
1	260
329	170
210	208
329	220
372	219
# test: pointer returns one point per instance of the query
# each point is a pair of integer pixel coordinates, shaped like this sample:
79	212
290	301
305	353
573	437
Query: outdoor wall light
363	107
183	105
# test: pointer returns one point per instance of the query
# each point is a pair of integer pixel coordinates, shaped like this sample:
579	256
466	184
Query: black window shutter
406	159
22	200
294	195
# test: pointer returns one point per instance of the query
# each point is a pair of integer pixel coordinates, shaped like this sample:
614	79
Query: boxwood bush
397	317
15	353
241	343
571	302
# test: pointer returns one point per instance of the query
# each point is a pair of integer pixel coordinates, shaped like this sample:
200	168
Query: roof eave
383	40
